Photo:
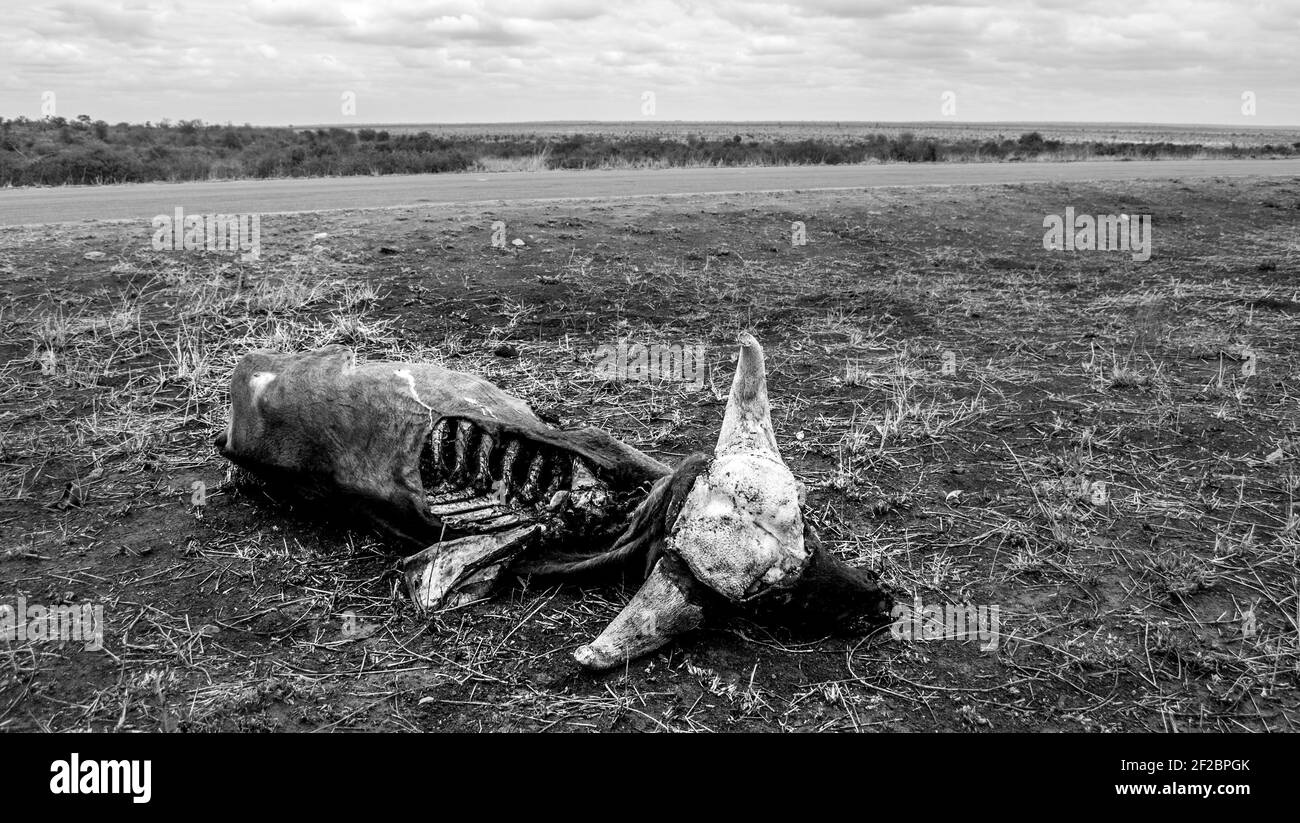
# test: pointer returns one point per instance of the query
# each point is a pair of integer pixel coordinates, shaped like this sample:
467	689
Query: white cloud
278	61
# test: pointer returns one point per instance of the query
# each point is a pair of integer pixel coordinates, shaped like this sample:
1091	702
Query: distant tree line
56	151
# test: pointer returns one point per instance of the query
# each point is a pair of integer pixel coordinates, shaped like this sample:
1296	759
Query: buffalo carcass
470	481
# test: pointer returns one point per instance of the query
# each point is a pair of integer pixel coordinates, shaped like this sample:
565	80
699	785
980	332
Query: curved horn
747	426
666	605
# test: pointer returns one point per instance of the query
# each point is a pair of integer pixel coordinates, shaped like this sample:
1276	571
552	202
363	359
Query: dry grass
1098	465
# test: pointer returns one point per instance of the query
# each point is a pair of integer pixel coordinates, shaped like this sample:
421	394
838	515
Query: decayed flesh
477	482
509	494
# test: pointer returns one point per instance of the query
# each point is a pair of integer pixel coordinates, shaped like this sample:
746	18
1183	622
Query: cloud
47	53
125	24
476	60
297	14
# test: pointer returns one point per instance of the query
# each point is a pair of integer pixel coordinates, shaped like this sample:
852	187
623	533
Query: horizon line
367	124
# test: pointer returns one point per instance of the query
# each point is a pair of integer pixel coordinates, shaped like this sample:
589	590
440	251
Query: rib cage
476	482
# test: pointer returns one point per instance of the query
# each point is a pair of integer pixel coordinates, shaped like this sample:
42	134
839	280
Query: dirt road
144	200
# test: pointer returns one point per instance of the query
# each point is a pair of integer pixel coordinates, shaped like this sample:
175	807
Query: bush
54	151
81	165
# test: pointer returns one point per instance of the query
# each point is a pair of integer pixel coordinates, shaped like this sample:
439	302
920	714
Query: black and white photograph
704	366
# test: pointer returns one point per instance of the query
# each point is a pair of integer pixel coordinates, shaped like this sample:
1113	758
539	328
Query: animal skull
739	540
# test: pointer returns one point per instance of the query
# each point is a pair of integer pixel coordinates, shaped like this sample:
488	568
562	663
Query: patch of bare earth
1100	465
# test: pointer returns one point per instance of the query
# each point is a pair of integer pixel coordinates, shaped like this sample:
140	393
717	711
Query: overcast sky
290	61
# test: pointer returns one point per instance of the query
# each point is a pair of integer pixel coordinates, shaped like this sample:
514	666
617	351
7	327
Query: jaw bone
739	532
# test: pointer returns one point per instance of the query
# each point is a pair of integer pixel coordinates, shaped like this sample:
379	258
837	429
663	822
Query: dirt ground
1109	465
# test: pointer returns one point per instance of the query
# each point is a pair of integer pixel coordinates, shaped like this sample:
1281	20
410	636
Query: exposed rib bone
483	463
536	481
476	517
470	504
452	496
509	457
466	440
439	442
